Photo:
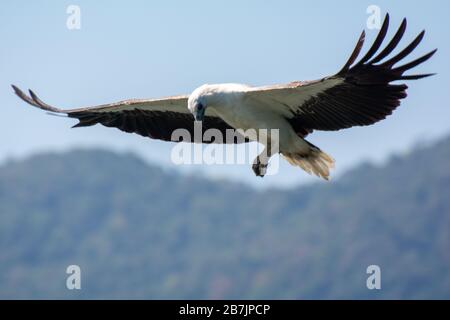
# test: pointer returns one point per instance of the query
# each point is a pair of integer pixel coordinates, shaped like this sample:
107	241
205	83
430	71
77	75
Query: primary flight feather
360	94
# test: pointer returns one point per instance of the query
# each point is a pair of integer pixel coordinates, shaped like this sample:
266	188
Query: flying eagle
360	94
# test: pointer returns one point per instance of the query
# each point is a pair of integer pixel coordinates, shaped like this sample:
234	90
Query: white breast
245	115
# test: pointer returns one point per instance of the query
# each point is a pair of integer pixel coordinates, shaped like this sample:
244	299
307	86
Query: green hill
137	231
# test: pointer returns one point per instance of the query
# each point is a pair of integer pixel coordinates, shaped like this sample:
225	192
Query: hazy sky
143	49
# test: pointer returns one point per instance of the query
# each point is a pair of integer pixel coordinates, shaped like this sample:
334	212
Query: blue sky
143	49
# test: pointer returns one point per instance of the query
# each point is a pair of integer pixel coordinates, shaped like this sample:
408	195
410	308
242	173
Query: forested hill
137	231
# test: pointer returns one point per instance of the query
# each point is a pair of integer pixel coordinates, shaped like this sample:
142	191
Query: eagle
360	94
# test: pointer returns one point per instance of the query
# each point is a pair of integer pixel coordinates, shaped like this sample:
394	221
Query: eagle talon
260	169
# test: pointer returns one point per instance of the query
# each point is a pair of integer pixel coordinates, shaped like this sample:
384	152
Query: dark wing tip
385	70
415	62
418	76
392	44
354	54
378	41
16	90
405	52
24	97
34	100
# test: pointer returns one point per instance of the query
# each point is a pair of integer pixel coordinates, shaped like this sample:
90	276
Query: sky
149	49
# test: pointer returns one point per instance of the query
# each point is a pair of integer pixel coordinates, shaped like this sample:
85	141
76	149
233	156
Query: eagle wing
153	118
359	95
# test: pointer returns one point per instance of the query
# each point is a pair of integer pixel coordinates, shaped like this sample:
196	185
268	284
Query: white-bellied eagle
360	94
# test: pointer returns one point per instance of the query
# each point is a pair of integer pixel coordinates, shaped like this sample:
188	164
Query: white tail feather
315	162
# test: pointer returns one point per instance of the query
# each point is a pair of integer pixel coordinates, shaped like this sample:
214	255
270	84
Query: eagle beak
199	115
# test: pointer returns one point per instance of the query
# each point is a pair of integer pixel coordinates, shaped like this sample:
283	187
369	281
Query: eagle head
197	105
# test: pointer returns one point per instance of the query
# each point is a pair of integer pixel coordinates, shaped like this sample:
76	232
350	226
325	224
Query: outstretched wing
156	119
358	95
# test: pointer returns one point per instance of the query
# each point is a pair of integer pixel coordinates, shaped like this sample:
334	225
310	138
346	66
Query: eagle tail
314	162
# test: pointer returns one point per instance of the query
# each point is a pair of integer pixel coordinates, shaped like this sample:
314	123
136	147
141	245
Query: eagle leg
261	162
259	168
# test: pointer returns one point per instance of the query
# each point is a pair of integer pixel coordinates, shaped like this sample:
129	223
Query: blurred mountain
137	231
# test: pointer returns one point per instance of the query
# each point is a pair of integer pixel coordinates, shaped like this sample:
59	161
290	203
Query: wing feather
155	118
359	94
377	43
392	44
